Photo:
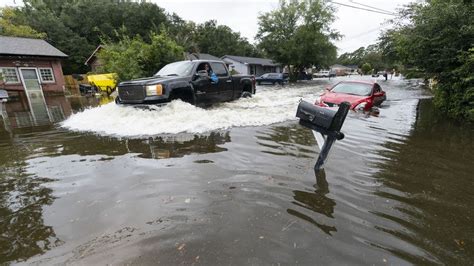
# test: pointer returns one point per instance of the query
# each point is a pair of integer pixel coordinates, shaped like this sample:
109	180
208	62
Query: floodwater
94	183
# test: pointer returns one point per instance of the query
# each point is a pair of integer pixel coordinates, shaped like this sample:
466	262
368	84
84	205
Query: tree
9	25
298	34
436	39
220	40
366	68
77	26
133	58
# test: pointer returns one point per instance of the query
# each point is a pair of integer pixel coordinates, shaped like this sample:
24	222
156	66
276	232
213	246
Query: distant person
385	74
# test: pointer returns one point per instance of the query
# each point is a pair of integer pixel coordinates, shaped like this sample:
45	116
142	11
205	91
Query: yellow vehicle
103	82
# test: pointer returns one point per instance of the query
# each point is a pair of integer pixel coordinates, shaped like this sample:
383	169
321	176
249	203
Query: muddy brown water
396	190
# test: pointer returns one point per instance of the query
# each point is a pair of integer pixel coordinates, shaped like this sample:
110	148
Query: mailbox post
326	125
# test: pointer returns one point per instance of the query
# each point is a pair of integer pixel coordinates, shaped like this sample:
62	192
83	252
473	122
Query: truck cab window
219	69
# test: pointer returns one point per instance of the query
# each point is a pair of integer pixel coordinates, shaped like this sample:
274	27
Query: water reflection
431	188
18	113
290	139
316	201
22	199
24	195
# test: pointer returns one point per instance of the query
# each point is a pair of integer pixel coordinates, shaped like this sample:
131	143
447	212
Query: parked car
321	74
272	78
332	73
199	82
360	94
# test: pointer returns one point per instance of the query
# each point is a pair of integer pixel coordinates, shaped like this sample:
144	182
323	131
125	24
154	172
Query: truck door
206	91
225	85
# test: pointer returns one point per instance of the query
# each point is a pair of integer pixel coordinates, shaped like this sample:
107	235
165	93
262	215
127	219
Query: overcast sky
359	27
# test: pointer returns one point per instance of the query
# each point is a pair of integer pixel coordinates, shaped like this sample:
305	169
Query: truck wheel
246	94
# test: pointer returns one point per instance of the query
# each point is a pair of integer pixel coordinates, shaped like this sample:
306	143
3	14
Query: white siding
239	67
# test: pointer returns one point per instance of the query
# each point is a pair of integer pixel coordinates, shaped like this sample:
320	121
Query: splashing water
268	106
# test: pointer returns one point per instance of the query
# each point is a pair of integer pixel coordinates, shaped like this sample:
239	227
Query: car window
219	69
265	76
360	89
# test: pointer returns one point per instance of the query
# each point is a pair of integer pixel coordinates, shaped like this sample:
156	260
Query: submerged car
272	78
362	95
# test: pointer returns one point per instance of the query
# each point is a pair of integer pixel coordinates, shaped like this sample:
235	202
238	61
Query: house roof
28	46
93	54
201	56
251	60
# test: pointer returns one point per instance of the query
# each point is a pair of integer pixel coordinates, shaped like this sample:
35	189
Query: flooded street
90	182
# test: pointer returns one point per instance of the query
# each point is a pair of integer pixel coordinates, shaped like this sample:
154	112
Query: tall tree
220	40
298	33
77	26
436	38
10	25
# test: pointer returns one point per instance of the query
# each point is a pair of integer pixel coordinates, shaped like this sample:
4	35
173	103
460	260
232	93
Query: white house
251	65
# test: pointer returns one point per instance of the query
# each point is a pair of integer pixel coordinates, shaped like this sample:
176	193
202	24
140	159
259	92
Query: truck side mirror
202	73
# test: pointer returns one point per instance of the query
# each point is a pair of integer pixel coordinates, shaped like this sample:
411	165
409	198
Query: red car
362	95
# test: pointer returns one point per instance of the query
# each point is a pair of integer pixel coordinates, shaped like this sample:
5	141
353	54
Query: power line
362	33
375	8
365	9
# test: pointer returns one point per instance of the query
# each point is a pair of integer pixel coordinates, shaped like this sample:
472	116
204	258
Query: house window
10	75
46	75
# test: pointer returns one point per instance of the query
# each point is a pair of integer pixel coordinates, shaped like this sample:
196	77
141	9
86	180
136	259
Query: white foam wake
268	106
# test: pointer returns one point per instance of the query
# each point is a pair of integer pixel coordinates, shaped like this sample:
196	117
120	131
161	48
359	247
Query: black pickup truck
188	81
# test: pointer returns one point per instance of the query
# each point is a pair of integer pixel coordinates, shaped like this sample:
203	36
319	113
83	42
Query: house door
35	96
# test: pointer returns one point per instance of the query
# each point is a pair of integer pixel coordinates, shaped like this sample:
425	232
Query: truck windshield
176	69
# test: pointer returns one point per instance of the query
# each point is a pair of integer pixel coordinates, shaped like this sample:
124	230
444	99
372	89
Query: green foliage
436	38
220	40
77	27
298	34
11	26
133	58
371	55
366	68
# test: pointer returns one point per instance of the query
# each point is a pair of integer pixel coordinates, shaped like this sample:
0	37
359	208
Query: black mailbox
324	121
318	116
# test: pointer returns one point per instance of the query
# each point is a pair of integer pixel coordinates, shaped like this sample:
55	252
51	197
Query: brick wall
49	88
